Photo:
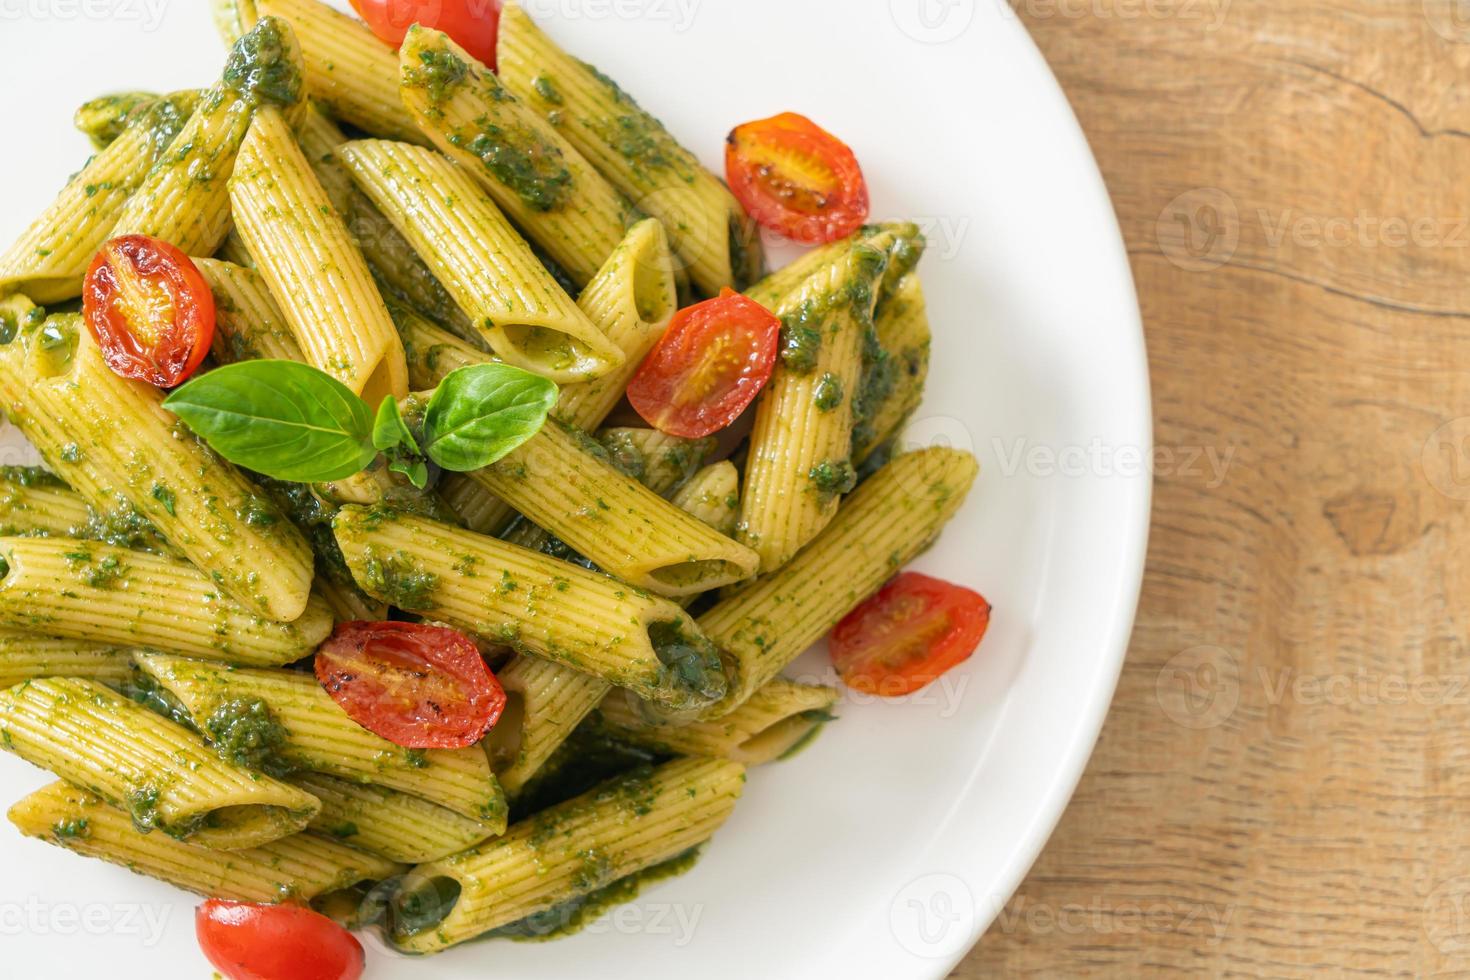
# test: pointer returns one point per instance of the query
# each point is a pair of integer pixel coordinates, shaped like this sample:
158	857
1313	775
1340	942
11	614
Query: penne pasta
248	323
347	68
317	735
49	260
712	237
306	256
514	303
517	157
879	529
635	822
388	823
773	721
28	656
159	772
185	199
713	496
90	591
893	384
302	867
115	445
534	603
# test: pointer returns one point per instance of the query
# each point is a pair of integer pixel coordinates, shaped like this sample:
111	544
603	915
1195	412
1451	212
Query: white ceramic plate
885	849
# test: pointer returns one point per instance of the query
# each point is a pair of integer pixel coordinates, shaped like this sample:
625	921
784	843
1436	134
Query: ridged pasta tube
28	656
91	591
894	393
319	736
158	771
631	823
306	255
112	441
514	303
394	825
301	867
711	234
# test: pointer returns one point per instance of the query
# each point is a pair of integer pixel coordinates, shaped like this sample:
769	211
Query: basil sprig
292	422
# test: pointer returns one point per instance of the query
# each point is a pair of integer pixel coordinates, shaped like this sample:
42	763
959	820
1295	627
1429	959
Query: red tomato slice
794	177
275	942
149	308
421	687
710	364
915	629
473	24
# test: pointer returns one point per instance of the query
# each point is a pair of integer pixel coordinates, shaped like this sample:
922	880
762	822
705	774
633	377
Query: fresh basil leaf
414	468
481	413
286	420
390	431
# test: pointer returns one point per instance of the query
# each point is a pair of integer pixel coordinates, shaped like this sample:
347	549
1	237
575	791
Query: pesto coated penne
386	822
185	199
893	383
248	323
107	117
91	591
879	529
634	822
773	721
347	68
711	234
520	159
514	303
306	255
160	772
301	867
48	261
113	442
532	602
316	735
26	656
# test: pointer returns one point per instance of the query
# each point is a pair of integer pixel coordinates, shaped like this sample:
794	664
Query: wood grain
1283	786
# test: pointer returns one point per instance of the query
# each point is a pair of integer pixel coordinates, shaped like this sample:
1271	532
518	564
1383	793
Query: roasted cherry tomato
473	24
794	177
915	629
275	942
149	308
421	687
711	363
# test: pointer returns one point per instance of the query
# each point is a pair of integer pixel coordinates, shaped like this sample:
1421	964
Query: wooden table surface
1283	785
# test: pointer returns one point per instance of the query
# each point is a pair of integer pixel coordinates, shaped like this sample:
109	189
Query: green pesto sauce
829	393
617	449
9	326
589	757
31	476
574	915
819	719
263	66
144	689
103	119
547	90
690	661
122	526
142	806
801	340
70	828
439	72
832	478
400	581
534	169
245	733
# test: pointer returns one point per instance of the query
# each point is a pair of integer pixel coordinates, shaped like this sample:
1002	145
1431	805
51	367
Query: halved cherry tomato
915	629
794	177
418	686
149	308
710	364
275	942
473	24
